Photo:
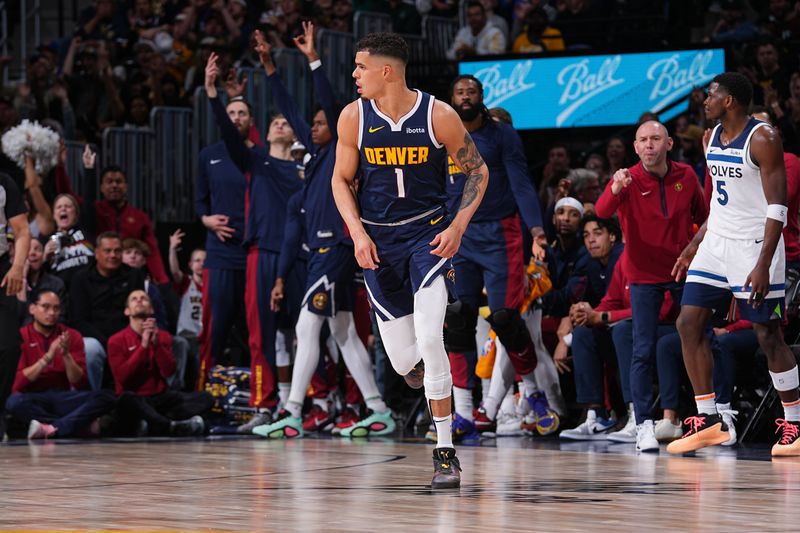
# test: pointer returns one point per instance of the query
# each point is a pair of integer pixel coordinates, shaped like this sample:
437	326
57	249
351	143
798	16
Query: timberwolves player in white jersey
399	139
739	251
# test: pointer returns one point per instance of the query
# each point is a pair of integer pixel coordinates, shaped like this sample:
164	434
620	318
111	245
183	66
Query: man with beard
220	192
491	255
659	201
272	178
141	360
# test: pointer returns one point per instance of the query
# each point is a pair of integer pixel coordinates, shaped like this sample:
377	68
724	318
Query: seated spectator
114	213
579	21
538	36
37	279
584	186
97	298
556	169
733	25
50	374
141	360
771	80
690	150
405	19
134	254
616	155
438	8
780	19
597	163
564	253
190	289
592	348
103	21
496	20
70	248
478	37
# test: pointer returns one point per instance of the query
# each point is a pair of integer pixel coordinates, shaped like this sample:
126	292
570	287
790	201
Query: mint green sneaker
285	427
374	425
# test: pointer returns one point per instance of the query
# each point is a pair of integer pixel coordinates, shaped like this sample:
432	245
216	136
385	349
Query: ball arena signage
593	90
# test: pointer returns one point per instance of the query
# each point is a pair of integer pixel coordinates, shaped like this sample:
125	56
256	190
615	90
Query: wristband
604	317
777	212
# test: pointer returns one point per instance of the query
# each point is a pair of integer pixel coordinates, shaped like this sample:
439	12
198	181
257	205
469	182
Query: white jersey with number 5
738	204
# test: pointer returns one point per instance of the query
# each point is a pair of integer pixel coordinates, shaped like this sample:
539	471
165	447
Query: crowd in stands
108	326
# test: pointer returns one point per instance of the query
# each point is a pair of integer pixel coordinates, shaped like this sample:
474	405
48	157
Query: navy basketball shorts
406	265
329	286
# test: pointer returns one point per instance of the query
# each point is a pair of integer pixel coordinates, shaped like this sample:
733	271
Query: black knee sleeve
510	329
461	320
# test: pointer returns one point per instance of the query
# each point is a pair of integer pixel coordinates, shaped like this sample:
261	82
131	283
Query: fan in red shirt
658	202
51	369
141	360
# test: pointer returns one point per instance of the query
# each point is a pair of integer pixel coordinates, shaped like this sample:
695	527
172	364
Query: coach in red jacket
658	202
141	360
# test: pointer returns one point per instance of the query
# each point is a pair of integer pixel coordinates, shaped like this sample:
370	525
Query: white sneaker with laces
666	431
729	417
593	428
627	433
646	437
508	425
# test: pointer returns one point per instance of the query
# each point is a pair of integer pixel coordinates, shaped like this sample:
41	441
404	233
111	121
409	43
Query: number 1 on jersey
401	186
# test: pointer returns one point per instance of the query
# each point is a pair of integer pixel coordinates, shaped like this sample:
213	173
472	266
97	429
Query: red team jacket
134	224
657	218
54	377
140	370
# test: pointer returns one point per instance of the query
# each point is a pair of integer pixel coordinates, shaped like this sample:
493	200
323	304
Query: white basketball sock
307	356
444	432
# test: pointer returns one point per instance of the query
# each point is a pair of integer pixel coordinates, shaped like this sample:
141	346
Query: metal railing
133	149
336	49
439	33
174	160
365	22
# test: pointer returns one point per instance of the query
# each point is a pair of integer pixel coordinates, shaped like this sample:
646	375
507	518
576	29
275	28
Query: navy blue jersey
271	183
510	188
402	165
323	224
220	190
294	248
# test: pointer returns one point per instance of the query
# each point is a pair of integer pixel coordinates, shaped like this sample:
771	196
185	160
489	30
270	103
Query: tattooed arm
449	130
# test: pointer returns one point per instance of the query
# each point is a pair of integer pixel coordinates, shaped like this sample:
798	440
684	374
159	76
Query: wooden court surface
245	484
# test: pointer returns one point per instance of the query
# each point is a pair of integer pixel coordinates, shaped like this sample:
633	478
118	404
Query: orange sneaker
703	430
789	444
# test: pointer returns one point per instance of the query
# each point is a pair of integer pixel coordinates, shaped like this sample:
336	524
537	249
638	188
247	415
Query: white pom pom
42	143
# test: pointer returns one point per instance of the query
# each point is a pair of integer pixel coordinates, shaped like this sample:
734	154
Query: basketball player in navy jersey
738	250
403	236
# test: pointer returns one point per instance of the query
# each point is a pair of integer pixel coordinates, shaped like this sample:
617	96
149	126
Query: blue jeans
591	348
67	410
95	362
669	377
646	300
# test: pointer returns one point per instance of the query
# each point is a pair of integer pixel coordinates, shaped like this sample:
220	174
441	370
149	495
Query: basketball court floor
324	484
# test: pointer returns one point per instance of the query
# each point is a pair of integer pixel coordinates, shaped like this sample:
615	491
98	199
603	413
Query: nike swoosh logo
373	130
266	162
434	222
645	193
600	430
215	161
759	241
324	250
131	348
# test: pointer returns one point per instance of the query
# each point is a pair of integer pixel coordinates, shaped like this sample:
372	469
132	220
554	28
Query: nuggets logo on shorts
679	187
320	300
451	275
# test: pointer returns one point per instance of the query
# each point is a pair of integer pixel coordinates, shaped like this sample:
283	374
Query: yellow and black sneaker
702	430
446	469
789	443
